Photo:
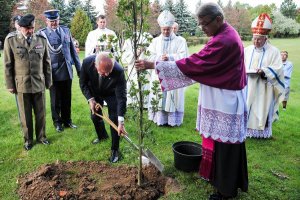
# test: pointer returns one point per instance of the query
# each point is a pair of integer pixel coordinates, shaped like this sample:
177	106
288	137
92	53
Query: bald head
175	27
104	63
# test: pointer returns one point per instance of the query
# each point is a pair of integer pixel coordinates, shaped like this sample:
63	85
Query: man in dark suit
27	74
63	55
102	79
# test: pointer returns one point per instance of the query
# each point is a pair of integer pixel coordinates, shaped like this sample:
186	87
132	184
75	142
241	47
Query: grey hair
176	24
209	9
102	55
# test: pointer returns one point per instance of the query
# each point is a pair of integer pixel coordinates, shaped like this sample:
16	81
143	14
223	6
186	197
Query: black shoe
45	142
217	196
59	128
27	147
115	156
98	140
70	125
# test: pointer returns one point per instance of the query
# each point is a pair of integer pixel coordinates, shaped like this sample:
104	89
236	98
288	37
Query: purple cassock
220	63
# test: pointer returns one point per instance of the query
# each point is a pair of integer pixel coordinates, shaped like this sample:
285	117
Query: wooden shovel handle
106	118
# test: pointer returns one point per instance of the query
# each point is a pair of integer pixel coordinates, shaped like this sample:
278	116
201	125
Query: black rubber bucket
187	156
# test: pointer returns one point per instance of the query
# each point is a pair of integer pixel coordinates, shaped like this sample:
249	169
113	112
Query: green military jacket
27	68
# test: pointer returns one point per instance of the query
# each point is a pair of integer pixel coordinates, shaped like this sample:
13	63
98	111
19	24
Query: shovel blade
154	160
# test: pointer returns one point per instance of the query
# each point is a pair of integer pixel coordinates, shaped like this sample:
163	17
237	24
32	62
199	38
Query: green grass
280	154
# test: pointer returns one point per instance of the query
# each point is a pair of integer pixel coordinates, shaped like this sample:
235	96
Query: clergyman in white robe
171	106
263	93
92	40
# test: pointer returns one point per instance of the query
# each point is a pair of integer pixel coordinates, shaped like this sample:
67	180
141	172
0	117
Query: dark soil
94	180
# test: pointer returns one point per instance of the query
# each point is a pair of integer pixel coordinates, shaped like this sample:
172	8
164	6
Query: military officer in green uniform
27	74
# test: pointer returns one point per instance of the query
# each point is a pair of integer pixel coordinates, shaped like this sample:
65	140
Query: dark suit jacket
112	85
68	50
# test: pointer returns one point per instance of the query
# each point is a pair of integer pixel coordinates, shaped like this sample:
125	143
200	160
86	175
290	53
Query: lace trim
163	118
171	77
222	126
267	133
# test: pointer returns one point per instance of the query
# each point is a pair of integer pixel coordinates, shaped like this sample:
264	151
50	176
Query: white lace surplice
221	113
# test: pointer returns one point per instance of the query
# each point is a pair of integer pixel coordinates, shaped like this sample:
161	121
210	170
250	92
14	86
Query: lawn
273	164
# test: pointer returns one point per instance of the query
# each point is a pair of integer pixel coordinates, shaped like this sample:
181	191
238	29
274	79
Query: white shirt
93	39
288	69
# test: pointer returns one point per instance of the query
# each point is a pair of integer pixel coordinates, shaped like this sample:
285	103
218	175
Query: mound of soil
94	180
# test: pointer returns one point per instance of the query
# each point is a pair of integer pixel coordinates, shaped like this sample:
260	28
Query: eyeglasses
208	23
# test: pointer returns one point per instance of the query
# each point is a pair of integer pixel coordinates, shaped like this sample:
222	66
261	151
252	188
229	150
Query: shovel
147	153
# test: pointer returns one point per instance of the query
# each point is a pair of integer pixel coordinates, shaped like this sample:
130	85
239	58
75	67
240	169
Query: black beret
27	20
16	18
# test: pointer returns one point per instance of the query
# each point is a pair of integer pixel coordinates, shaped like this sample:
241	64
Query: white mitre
166	19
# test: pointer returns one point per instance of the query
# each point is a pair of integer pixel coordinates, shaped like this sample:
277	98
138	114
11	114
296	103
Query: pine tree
71	9
5	18
90	11
183	17
61	6
169	5
289	9
80	26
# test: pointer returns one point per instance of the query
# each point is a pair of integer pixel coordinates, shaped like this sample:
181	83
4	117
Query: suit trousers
113	116
36	102
60	96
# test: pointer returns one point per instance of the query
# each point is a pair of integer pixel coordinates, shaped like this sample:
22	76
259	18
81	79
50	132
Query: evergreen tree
71	9
5	18
90	11
61	6
169	5
183	17
80	26
289	9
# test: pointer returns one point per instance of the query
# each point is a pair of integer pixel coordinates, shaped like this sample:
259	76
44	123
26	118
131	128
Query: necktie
100	81
57	32
28	40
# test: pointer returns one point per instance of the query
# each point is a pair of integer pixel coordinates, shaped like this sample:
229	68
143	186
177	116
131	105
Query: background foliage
286	18
269	161
81	26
